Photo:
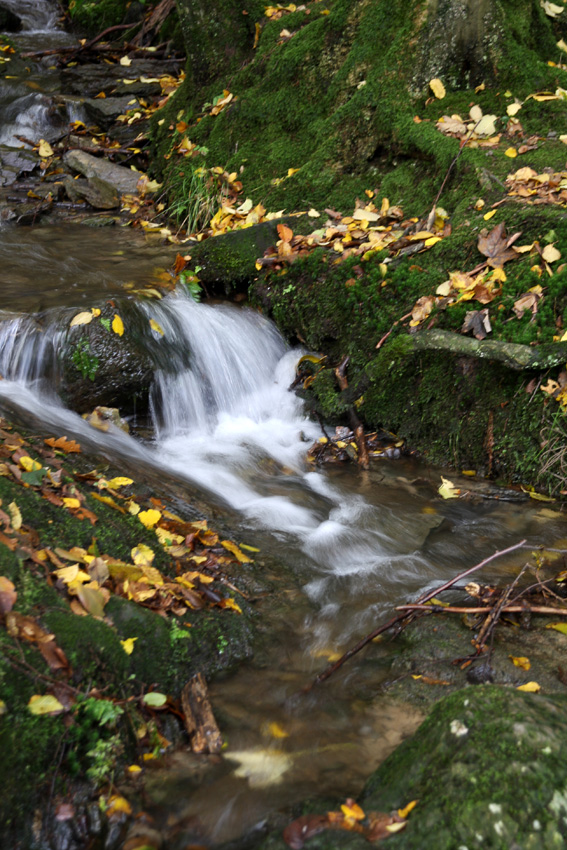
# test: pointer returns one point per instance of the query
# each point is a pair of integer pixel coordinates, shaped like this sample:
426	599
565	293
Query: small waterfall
228	424
35	15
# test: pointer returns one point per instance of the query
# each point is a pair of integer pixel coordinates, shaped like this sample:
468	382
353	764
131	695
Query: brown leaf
477	322
378	823
8	595
62	443
496	246
300	830
284	232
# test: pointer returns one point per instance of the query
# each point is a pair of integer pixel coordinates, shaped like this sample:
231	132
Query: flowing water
227	427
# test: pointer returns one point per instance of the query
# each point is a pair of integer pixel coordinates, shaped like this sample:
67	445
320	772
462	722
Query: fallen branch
465	609
406	617
511	354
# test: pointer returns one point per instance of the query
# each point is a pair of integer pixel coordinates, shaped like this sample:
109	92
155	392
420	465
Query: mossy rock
337	99
487	768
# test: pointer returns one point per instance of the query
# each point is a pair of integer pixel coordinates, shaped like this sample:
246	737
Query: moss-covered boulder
488	770
108	363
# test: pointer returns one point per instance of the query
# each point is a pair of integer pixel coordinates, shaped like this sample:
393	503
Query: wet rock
489	768
123	179
98	193
231	258
104	418
101	368
30	213
105	110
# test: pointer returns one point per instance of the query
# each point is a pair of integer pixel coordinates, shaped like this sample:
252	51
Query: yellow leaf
487	216
432	240
29	464
530	687
158	328
15	516
352	812
470	472
118	805
133	508
72	574
448	490
396	827
81	319
134	769
513	109
232	547
47	704
550	254
117	325
403	813
249	548
292	171
45	150
71	503
128	645
437	88
559	627
3	707
230	603
511	152
120	481
149	518
276	731
95	311
520	661
125	60
142	555
539	497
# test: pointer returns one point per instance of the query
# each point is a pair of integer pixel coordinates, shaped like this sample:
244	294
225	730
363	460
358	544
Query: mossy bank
331	104
100	683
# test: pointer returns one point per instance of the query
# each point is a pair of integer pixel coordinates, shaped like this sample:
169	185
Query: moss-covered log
514	356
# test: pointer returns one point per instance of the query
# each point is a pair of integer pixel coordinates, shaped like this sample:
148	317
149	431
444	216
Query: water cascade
35	15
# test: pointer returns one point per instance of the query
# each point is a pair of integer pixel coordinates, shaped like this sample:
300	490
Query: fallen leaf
156	327
437	88
154	699
403	813
559	627
120	481
520	661
81	319
15	516
125	60
149	518
45	150
128	645
448	490
62	443
8	595
550	254
529	687
46	704
496	246
232	547
117	325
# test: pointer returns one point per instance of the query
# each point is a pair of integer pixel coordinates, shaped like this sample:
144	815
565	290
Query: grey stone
123	179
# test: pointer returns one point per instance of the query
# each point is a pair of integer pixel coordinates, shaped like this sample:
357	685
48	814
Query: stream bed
226	427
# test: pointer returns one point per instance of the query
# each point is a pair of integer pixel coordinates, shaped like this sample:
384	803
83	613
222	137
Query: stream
227	428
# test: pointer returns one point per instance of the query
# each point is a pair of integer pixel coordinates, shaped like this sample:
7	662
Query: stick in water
406	615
